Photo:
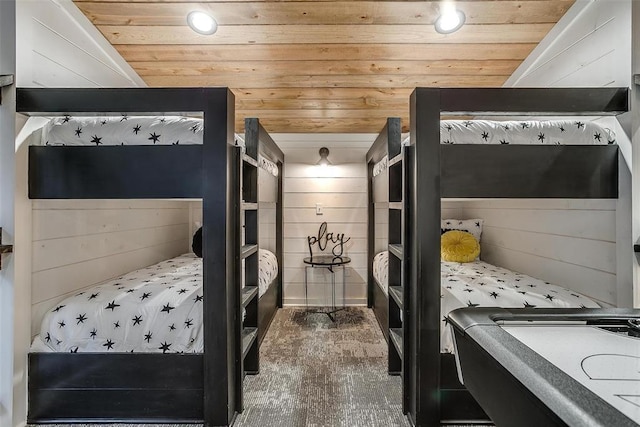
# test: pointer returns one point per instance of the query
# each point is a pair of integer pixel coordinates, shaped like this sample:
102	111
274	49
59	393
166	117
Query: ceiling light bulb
450	20
202	23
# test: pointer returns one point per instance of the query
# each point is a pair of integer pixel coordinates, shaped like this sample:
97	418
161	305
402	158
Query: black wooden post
423	194
219	257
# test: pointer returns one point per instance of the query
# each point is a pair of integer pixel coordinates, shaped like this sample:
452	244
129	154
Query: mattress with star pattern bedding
555	132
154	309
480	284
549	132
131	130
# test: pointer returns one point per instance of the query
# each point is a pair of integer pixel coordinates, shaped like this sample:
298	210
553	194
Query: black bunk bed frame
431	171
269	303
387	144
149	387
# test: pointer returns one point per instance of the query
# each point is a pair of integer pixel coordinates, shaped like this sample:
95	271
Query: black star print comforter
154	309
479	284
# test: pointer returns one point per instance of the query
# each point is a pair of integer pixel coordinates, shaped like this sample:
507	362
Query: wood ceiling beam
309	34
330	13
346	67
282	52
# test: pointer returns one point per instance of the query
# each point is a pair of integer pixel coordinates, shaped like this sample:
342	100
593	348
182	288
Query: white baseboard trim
300	302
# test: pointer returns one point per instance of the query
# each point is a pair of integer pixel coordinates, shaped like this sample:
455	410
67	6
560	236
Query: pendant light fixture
324	161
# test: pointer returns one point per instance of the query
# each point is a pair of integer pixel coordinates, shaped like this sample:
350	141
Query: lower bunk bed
480	284
156	309
157	314
471	284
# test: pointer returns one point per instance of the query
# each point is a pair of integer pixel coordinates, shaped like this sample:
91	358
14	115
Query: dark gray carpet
315	372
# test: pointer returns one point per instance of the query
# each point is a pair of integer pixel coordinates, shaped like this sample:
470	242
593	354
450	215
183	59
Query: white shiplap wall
57	46
591	47
342	191
77	244
571	243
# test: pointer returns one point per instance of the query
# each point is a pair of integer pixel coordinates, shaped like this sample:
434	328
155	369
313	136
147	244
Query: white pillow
473	226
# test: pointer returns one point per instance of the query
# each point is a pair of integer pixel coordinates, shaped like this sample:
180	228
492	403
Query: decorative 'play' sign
324	238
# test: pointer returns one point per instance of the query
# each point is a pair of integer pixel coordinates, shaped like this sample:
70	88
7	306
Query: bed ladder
248	345
399	355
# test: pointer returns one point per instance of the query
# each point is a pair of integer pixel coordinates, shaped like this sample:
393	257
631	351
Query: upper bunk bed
173	387
434	166
86	172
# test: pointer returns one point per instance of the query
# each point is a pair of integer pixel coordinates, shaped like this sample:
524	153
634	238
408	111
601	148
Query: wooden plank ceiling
328	66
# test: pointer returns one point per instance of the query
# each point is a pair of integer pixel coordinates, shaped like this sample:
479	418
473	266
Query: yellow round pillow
459	246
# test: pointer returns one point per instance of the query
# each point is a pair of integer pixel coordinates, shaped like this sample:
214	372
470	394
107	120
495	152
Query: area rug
317	372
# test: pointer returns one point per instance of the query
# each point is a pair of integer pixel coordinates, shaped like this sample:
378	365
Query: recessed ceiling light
202	23
450	19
